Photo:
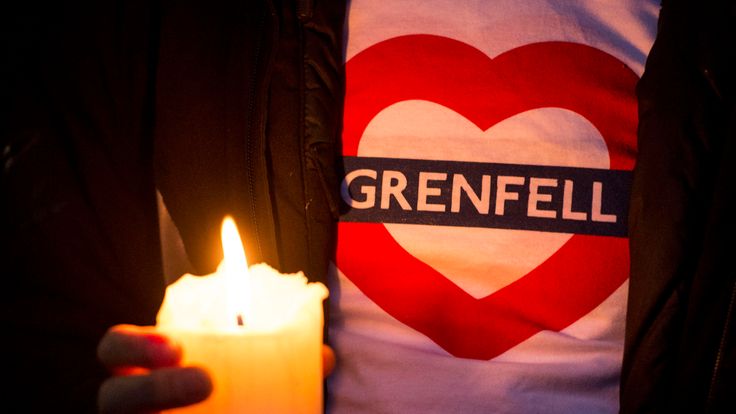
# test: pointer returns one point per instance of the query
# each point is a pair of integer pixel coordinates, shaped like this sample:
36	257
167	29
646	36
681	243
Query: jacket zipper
250	142
303	15
719	356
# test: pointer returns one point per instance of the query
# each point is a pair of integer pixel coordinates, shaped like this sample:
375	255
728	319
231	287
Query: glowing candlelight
258	333
235	268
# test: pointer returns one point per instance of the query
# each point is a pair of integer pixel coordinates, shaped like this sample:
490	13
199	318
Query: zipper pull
304	10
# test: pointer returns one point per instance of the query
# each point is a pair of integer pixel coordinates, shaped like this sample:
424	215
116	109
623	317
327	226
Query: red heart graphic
570	283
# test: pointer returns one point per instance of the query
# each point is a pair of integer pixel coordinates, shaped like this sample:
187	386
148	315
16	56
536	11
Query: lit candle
257	332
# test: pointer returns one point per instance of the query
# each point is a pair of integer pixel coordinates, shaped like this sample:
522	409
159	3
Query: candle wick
240	320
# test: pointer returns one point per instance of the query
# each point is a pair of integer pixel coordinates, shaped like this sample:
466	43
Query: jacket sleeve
79	235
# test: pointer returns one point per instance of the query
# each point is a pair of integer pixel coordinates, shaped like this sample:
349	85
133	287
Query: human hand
147	375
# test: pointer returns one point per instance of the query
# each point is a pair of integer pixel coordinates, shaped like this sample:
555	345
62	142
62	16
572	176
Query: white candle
258	333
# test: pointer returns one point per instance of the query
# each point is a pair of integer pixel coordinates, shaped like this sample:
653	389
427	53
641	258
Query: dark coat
680	354
225	106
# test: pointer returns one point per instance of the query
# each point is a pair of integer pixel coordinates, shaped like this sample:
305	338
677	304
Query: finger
137	346
328	360
158	390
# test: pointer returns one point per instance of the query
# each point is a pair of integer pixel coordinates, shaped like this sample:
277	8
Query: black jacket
680	354
225	106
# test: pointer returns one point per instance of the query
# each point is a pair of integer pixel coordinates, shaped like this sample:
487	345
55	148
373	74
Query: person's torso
482	257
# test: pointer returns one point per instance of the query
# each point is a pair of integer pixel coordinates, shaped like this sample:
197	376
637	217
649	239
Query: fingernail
164	352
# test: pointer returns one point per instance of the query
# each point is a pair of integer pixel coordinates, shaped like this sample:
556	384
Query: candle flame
235	267
232	246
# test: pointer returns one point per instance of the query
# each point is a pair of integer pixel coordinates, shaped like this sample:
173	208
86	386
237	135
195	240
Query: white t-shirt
482	264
